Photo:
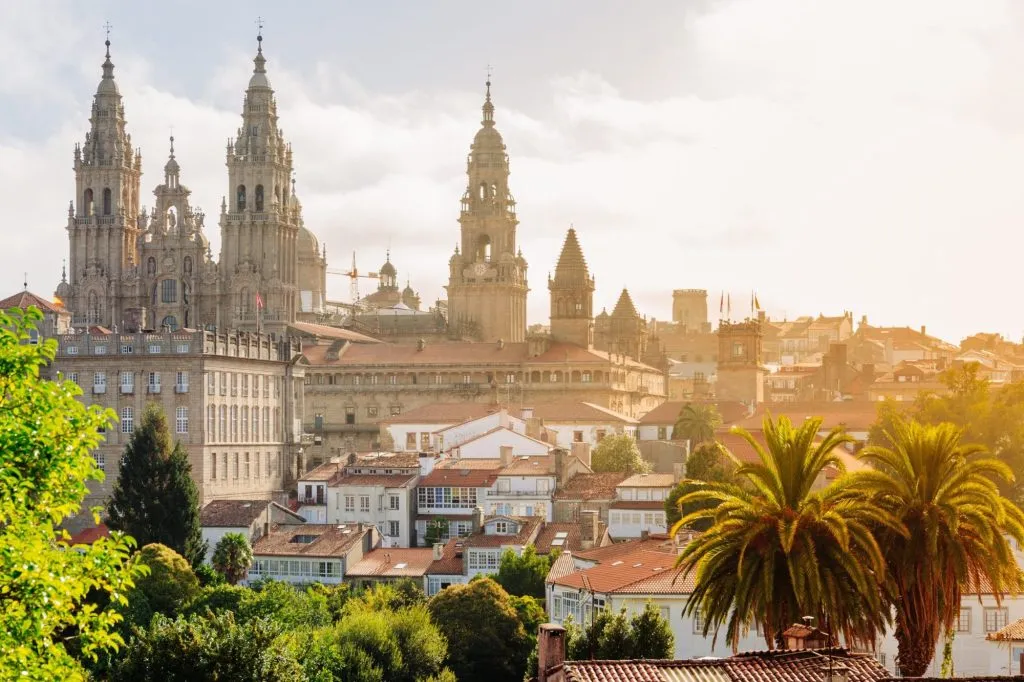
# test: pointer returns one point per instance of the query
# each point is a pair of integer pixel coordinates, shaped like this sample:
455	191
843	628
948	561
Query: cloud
832	156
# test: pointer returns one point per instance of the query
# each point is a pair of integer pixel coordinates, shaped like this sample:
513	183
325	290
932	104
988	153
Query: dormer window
501	527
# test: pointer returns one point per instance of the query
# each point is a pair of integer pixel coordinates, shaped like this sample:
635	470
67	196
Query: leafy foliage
46	440
781	550
707	462
232	557
614	636
211	647
523	574
946	498
697	423
170	584
618	453
437	527
486	639
155	498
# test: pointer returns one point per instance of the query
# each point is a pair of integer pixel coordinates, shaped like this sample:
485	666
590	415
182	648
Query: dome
308	243
259	73
407	291
107	86
388	268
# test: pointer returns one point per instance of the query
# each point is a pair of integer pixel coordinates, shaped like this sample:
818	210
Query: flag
721	304
728	305
757	304
751	301
259	301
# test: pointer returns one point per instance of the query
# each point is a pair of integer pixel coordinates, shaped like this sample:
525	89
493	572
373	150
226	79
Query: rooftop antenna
25	282
107	26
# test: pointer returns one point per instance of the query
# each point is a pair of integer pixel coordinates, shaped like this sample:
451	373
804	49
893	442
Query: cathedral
133	270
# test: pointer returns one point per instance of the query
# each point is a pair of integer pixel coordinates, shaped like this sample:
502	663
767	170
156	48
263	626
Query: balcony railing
99	388
181	388
313	500
127	388
154	388
519	493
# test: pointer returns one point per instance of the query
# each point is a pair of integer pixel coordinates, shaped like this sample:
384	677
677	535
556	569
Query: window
223	383
256	465
698	622
211	383
501	527
266	423
364	503
393	502
666	614
211	422
246	470
586	377
182	347
154	382
234	422
995	618
106	201
268	465
424	441
963	623
213	466
371	411
392	529
245	422
481	560
101	460
577	436
392	379
510	378
255	424
181	420
33	337
350	503
600	435
234	384
446	498
181	382
410	441
373	379
99	382
169	291
127	348
154	348
223	423
236	466
127	420
466	378
245	385
100	349
71	350
127	382
73	377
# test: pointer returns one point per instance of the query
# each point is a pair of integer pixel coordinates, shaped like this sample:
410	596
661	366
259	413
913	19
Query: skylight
558	542
616	563
304	539
402	565
562	534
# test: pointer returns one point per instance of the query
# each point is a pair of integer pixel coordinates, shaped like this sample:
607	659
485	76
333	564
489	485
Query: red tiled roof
563	565
572	540
528	527
619	574
24	299
328	540
90	535
654	543
450	562
443	413
385	480
387	460
384	562
324	472
533	465
666	413
778	666
638	504
576	411
855	416
586	487
460	353
649	481
462	474
231	513
491	432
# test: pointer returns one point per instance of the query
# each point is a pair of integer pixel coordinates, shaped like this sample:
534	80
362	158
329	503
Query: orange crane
354	275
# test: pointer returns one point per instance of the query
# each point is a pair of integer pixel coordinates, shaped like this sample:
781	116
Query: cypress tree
155	498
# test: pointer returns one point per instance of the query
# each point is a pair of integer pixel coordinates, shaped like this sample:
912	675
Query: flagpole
258	315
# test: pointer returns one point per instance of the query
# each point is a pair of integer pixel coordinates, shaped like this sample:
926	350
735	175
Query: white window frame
181	420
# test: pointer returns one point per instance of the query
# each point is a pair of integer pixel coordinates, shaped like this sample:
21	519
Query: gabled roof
586	487
630	572
323	331
649	481
90	535
444	413
576	411
324	472
656	542
392	563
463	473
854	415
383	480
530	465
308	539
232	513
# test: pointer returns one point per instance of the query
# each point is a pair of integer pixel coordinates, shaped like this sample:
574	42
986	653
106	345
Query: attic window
402	565
304	539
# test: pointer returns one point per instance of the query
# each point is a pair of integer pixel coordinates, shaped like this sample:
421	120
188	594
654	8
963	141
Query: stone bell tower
572	296
740	374
487	280
103	219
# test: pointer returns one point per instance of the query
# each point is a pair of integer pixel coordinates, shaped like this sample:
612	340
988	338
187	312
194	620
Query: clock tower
487	279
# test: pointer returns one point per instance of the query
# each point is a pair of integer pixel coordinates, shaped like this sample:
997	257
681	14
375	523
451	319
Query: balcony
181	388
99	388
127	388
312	500
153	388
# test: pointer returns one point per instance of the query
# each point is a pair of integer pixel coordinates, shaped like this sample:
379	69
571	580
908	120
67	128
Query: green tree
782	550
169	585
232	557
697	423
437	528
615	636
707	462
945	495
155	498
48	592
207	648
486	639
523	574
652	634
286	604
618	453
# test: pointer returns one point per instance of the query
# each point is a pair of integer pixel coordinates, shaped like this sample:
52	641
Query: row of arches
456	377
241	198
89	206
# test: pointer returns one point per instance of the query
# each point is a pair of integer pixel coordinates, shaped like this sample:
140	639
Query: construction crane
354	275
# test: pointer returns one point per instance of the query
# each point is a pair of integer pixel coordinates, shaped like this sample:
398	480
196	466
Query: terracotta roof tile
563	565
324	540
855	416
528	529
638	504
572	410
385	480
90	535
326	332
443	413
609	577
387	460
396	563
550	532
464	473
24	299
450	562
462	353
586	487
324	472
654	543
532	465
649	481
232	513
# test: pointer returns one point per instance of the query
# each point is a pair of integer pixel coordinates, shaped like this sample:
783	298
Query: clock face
480	269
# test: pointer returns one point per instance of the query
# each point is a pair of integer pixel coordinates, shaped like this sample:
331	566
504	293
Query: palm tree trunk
916	637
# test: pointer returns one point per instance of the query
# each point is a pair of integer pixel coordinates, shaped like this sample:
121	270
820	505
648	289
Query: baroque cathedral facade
130	269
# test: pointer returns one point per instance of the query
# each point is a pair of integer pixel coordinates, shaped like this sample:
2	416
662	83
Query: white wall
399	433
380	513
650	431
213	535
522	493
490	446
565	433
631	523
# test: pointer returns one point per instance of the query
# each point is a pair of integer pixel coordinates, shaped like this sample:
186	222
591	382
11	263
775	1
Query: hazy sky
854	155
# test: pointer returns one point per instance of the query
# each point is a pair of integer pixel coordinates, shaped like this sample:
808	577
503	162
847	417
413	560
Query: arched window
170	323
483	190
259	198
186	265
494	191
169	291
106	201
87	202
243	300
483	248
241	198
94	313
151	266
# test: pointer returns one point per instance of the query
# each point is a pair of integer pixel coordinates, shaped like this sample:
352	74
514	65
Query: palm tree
779	550
946	495
232	557
697	423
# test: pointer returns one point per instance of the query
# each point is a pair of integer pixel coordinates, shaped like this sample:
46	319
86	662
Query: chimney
478	518
582	451
501	344
644	534
506	455
527	413
558	456
550	651
421	344
588	528
924	330
438	551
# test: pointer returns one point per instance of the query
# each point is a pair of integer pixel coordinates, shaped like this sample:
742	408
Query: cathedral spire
107	85
572	266
171	168
488	107
259	71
